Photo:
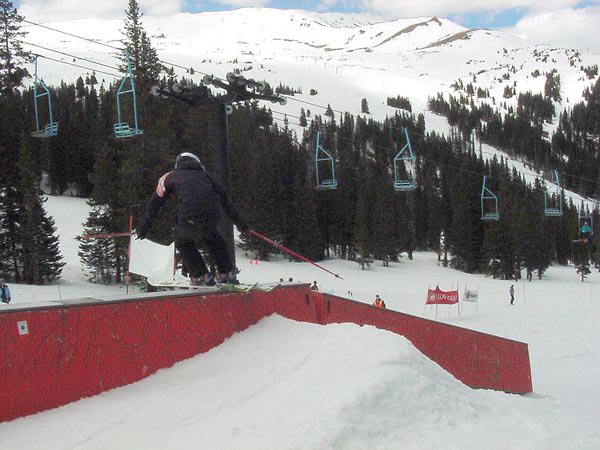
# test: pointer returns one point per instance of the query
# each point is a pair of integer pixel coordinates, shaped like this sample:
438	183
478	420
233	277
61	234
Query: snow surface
287	385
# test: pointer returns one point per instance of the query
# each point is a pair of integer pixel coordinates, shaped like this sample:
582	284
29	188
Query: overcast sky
568	23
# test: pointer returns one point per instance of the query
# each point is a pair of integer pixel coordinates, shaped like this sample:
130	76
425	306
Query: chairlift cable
286	114
80	66
67	54
120	49
93	41
289	122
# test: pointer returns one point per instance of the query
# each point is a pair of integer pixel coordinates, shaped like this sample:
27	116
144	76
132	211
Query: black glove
142	231
243	227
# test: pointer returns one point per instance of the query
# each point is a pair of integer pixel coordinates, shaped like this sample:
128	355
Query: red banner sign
438	297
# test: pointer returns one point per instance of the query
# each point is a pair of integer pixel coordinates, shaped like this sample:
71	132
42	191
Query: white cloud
161	7
244	3
59	10
577	28
411	8
556	22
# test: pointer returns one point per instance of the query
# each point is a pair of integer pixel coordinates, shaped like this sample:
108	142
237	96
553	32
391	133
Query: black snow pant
193	233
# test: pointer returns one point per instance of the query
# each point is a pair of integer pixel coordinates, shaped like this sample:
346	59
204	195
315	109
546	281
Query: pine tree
362	236
364	106
302	121
384	225
339	210
552	86
302	231
498	247
582	253
9	224
12	54
143	57
98	255
530	235
41	259
150	66
446	216
329	111
466	223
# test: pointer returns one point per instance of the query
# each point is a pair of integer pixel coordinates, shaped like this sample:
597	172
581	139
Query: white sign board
151	260
23	328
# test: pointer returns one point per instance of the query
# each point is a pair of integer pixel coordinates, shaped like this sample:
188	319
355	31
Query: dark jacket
5	294
197	194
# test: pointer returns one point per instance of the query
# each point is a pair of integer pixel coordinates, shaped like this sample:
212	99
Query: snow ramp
58	352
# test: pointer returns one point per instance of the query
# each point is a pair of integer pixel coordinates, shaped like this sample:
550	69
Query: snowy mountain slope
343	58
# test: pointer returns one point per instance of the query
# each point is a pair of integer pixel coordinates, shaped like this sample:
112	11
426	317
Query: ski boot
208	279
227	278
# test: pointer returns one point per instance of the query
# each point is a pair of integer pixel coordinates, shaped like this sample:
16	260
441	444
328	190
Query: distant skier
379	303
585	231
198	198
4	292
314	286
512	294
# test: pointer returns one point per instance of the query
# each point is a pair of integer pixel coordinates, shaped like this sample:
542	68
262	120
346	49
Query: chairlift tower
238	90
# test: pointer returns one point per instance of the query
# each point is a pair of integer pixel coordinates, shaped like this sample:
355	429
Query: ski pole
106	236
291	252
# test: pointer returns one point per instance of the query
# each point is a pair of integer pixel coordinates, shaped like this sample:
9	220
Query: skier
585	231
512	294
198	196
379	303
4	292
314	286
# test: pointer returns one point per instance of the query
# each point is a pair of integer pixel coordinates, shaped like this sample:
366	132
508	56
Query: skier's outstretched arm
154	205
228	206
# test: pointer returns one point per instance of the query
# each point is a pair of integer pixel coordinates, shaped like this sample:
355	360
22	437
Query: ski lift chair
323	158
489	203
553	208
123	129
51	128
584	217
407	158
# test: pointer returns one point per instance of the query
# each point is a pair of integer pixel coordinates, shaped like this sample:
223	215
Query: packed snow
287	385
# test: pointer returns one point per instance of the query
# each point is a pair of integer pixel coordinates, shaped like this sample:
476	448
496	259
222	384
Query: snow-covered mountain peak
341	58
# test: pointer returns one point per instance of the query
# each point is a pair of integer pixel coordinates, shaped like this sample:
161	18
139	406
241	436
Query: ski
236	287
227	287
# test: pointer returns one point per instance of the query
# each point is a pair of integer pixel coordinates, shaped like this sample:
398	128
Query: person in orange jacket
379	303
